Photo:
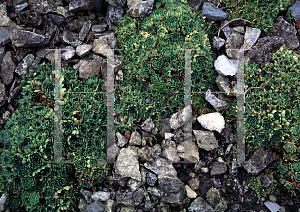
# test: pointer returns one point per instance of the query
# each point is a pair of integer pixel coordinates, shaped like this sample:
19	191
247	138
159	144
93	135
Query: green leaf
158	4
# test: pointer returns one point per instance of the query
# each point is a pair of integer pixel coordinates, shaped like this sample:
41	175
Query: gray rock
259	161
190	193
82	205
45	6
171	154
233	43
20	7
286	31
122	141
206	140
127	164
218	168
113	14
226	30
76	5
57	19
295	11
71	38
212	12
64	11
225	66
117	3
200	205
213	197
106	41
196	4
212	121
75	24
24	65
83	50
151	178
154	191
99	27
262	52
180	148
8	67
87	195
169	136
134	184
224	85
14	93
165	127
100	196
125	198
4	36
191	151
251	36
112	152
135	138
84	30
181	117
2	53
265	181
141	9
4	200
17	2
218	104
88	67
239	29
69	52
218	42
110	206
3	96
35	64
148	125
175	199
161	166
23	38
95	207
272	206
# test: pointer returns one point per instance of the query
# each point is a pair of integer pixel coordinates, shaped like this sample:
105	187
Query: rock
206	140
218	43
173	198
239	29
265	181
69	53
57	19
3	96
154	191
194	183
191	151
171	154
20	7
251	36
148	153
151	178
64	11
117	3
24	65
86	195
92	16
99	27
119	76
76	24
218	104
30	18
179	136
213	196
121	139
212	121
286	31
199	204
76	5
23	38
224	84
227	135
107	41
127	164
110	206
295	11
4	36
221	206
218	168
259	161
262	52
4	200
273	207
113	14
190	193
71	38
225	66
100	196
84	30
95	207
34	64
212	12
181	117
83	50
161	166
45	6
133	184
226	30
88	67
272	198
125	198
196	4
148	125
82	205
112	152
141	9
2	53
8	67
135	139
233	43
169	136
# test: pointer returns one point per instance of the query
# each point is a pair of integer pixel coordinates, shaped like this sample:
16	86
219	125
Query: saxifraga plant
33	182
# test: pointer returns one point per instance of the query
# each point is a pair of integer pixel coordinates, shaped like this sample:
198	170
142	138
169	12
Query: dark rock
114	14
4	36
45	6
76	5
196	4
8	67
151	178
30	18
57	19
22	38
76	24
265	181
170	184
22	52
117	3
226	135
175	199
183	176
212	12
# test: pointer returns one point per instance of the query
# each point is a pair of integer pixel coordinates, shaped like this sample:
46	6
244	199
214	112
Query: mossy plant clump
261	12
154	67
28	172
273	120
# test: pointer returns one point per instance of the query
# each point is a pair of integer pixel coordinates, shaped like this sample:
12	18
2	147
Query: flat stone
64	11
161	166
95	207
212	121
251	36
71	38
107	41
295	11
226	30
24	65
77	5
218	42
84	30
212	12
272	206
218	168
8	67
99	27
69	53
181	117
57	19
239	29
22	38
224	85
213	196
225	66
35	64
88	67
4	36
206	140
218	104
190	193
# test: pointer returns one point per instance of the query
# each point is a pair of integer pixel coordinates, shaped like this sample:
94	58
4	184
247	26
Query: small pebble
272	198
92	16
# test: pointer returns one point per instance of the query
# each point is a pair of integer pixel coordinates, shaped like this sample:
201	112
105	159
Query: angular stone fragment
212	121
8	67
71	38
191	151
141	9
57	19
84	30
45	6
135	138
30	18
295	11
4	36
218	104
233	44
69	53
83	50
251	36
114	13
161	166
23	38
20	7
76	5
180	118
99	27
25	64
121	139
259	161
218	168
199	204
117	3
206	140
212	12
218	42
225	66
